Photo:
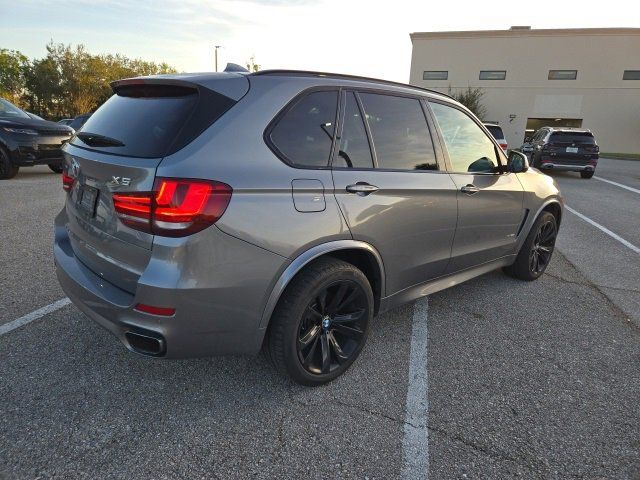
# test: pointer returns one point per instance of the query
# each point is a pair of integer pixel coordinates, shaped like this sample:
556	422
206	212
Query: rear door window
354	151
151	120
304	134
400	132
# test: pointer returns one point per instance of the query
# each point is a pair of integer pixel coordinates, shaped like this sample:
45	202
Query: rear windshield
150	121
495	131
572	137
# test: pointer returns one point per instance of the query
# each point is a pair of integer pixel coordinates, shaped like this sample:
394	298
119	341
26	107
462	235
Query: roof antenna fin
234	67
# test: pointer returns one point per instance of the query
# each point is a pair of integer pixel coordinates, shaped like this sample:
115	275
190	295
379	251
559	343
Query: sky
357	37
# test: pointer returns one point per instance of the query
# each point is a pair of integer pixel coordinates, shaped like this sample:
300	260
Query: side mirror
517	162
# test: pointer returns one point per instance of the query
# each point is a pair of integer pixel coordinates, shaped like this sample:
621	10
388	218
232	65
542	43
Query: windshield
9	110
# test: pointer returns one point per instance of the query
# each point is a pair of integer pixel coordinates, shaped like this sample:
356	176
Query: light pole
216	55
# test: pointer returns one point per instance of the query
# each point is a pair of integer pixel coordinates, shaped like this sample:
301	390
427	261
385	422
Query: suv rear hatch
118	151
574	147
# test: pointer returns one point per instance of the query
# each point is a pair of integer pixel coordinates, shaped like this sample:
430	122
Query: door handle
470	189
361	188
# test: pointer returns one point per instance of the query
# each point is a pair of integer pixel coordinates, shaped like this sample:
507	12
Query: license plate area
87	199
572	149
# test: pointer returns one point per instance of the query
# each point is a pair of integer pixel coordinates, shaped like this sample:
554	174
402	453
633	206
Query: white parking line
605	230
30	317
626	187
415	442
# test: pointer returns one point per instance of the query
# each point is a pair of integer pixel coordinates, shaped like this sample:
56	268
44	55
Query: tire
534	162
7	169
56	167
587	173
524	267
313	317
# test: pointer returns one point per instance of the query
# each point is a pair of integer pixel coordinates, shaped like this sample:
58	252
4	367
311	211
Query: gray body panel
488	220
410	220
419	231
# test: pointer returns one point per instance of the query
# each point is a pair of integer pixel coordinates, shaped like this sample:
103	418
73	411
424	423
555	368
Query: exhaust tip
146	342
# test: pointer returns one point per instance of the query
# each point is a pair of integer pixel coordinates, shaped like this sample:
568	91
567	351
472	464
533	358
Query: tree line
68	80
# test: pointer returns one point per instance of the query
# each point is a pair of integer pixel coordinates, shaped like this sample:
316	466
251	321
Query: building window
493	74
435	75
563	74
631	75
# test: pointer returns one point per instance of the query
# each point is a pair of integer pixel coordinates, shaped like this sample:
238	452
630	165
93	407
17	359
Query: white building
531	78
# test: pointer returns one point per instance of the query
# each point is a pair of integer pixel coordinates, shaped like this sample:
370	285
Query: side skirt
435	285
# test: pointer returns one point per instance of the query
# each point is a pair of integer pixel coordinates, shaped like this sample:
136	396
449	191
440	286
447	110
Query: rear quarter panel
261	210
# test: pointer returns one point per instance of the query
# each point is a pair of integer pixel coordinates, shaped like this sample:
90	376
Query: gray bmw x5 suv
224	213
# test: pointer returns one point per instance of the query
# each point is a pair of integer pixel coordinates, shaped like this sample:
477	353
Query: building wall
608	105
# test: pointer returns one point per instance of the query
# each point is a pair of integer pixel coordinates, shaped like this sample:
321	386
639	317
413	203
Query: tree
42	88
472	99
13	65
69	80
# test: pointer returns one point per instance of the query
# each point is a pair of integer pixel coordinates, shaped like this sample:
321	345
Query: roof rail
306	73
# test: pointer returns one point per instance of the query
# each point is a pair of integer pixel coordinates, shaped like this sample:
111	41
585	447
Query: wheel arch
553	205
360	254
554	208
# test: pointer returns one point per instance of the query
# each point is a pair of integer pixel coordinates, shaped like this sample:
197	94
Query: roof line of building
527	32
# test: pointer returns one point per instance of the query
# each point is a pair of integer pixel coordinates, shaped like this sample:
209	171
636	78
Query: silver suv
222	213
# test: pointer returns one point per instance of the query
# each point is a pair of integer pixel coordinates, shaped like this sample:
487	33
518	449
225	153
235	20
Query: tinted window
631	75
563	74
305	133
493	74
400	133
435	75
572	137
470	150
495	131
145	125
354	149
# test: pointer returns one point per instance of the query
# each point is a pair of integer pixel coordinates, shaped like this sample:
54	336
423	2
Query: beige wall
608	105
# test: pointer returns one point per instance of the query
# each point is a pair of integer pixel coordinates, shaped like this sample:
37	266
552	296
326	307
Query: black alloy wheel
332	327
542	248
321	322
535	253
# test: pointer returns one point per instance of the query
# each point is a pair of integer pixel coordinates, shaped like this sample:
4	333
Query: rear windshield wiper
96	140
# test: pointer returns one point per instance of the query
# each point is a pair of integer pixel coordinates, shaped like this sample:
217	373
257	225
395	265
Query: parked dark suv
26	141
219	213
565	149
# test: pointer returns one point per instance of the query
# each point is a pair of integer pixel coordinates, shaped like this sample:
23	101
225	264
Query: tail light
175	208
67	181
503	146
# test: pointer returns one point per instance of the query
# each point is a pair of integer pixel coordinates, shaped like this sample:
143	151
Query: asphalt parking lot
531	380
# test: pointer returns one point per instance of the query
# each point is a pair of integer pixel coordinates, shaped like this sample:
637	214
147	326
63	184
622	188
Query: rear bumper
567	167
217	320
568	163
